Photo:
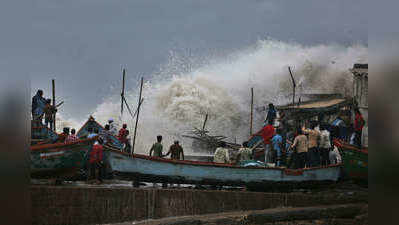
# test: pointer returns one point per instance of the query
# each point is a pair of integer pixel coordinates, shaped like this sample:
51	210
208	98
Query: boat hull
355	161
152	169
58	160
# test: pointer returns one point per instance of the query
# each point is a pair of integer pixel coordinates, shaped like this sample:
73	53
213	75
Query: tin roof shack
360	94
324	110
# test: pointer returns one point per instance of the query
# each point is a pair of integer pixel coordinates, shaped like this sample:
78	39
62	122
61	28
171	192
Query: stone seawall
101	205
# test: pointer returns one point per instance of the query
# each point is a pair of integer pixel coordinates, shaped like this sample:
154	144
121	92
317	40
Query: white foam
176	100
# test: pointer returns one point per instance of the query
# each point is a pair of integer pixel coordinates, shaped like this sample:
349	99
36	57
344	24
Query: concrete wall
82	205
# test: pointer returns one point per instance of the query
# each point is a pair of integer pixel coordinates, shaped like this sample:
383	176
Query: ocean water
186	88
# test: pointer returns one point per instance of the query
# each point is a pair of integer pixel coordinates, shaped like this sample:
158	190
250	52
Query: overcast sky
82	44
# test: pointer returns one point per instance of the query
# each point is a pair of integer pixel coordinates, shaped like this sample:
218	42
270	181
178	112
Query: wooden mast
252	111
138	112
53	87
123	90
293	86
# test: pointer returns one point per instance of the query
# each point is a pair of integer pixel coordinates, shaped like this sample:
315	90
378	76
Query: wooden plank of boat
58	160
41	133
355	160
154	169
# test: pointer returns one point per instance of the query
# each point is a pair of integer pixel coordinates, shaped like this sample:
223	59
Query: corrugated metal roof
315	104
360	66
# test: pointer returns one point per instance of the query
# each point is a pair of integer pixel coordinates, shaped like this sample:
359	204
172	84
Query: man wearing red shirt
96	161
122	137
267	133
123	132
358	126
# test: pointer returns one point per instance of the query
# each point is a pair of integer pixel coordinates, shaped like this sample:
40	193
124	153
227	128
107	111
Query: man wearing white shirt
112	127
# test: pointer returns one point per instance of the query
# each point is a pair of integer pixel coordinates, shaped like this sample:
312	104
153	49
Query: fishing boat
58	160
41	134
153	169
114	144
144	168
355	160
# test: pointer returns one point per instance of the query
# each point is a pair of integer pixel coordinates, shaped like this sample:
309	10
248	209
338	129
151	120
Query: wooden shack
322	110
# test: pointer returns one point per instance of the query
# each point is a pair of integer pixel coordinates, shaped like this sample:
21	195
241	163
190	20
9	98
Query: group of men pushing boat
299	147
295	147
175	151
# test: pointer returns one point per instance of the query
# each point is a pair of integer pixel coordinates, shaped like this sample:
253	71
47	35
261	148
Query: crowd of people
295	147
302	147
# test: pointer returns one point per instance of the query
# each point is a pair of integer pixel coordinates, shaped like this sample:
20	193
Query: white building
360	95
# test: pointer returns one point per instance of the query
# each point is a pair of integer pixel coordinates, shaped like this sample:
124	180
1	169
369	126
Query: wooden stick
206	119
127	106
59	104
141	102
138	112
123	91
293	86
54	117
252	111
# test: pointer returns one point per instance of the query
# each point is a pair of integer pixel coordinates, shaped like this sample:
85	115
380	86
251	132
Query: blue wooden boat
114	144
144	168
153	169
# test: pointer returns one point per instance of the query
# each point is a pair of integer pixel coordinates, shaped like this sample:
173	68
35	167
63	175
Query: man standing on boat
244	153
49	112
38	105
105	134
157	147
175	151
122	137
358	126
271	114
277	142
301	145
112	127
314	139
325	144
267	133
339	128
221	154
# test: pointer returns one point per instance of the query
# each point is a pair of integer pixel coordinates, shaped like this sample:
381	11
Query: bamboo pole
123	90
252	112
138	112
206	119
54	117
293	86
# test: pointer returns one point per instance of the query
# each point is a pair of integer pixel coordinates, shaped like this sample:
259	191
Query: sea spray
177	99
